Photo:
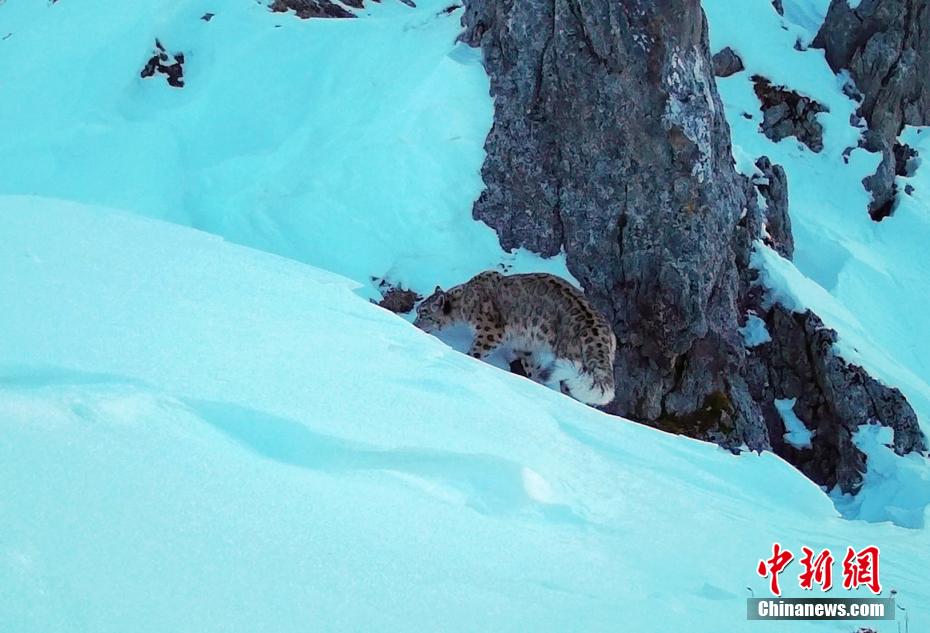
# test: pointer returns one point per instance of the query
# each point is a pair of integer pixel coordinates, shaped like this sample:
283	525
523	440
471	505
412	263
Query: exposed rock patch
727	62
395	298
772	184
895	162
786	113
832	396
306	9
171	66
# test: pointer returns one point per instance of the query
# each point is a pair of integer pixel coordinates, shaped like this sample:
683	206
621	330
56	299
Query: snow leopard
561	340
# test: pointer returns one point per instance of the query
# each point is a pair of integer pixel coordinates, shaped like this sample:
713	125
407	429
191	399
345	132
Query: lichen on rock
163	63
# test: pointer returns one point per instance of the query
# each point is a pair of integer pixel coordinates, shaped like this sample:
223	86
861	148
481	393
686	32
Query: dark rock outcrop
832	397
313	8
727	62
171	66
881	184
394	297
399	300
904	157
772	183
895	162
786	113
885	46
306	9
609	143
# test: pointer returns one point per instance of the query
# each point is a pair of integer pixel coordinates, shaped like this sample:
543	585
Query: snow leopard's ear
437	301
442	301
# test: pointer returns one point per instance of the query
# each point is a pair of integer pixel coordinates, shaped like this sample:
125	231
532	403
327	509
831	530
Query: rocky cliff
610	143
885	46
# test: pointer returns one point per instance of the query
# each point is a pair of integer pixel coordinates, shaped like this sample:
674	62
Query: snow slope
199	436
194	437
353	145
869	281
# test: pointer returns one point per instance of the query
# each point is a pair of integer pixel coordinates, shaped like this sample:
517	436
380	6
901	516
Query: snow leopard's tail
594	385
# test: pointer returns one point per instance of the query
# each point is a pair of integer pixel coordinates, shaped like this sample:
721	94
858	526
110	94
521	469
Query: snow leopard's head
435	312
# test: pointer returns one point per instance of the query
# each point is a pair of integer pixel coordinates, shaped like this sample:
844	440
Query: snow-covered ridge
194	437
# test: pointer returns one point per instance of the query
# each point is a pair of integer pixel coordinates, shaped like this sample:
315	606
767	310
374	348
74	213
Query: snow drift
194	437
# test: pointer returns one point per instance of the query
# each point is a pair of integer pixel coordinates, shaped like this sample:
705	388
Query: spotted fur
559	337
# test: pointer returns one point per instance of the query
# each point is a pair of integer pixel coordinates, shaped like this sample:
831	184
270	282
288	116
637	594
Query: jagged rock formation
395	298
772	183
832	398
885	45
609	142
882	184
786	113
